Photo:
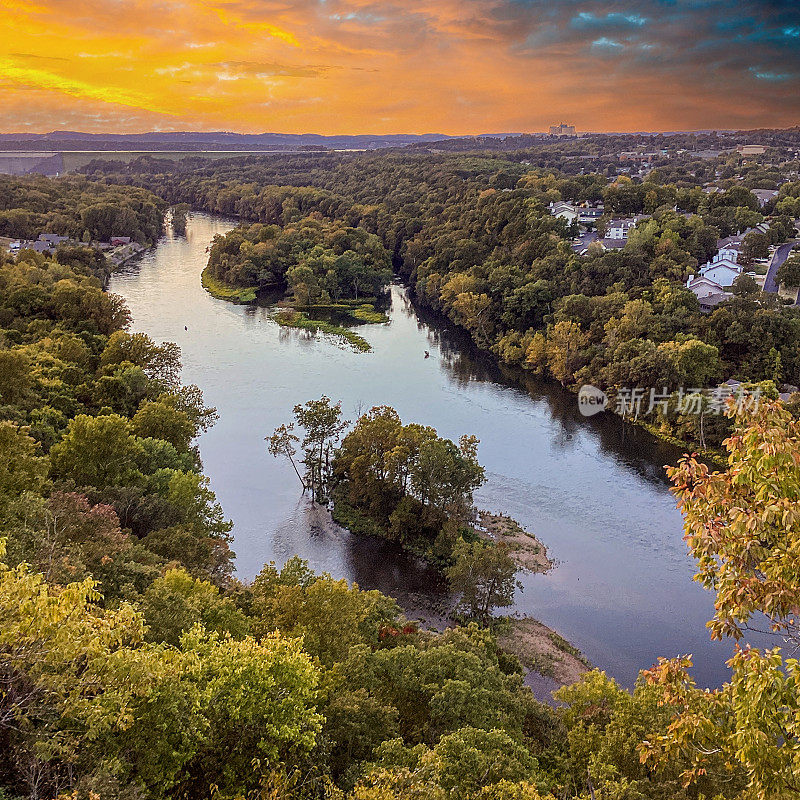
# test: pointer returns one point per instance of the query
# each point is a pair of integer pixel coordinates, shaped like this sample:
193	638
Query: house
618	228
117	241
708	292
722	271
53	239
764	195
711	301
589	215
561	209
729	252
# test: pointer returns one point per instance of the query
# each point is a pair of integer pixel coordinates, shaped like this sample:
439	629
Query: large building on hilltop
562	130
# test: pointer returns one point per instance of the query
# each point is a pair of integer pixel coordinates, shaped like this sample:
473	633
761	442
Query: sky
409	66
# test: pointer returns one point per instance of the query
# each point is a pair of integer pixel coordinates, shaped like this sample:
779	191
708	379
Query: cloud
372	66
613	19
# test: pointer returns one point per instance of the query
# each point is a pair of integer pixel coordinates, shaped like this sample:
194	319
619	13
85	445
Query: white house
728	252
564	210
619	228
721	271
708	292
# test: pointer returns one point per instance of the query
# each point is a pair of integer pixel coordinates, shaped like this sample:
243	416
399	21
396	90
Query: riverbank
438	319
718	458
548	657
529	553
543	651
224	291
540	649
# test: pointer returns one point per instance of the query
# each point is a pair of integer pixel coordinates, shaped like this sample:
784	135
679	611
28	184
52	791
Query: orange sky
355	66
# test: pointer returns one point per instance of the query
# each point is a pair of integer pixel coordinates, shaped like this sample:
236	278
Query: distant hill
217	140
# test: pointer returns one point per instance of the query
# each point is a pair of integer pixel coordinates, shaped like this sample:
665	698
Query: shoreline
224	291
717	457
549	660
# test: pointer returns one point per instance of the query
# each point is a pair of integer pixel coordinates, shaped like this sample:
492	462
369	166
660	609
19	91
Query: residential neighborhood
119	250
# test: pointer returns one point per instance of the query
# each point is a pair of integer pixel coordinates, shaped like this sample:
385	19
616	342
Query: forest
134	664
82	210
472	235
315	260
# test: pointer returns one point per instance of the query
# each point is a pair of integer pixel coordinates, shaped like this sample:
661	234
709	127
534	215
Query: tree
282	443
15	377
469	759
96	451
161	420
566	343
754	246
323	425
22	468
159	362
483	576
743	527
789	272
101	707
175	602
179	213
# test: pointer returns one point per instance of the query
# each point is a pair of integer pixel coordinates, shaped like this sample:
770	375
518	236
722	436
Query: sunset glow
363	66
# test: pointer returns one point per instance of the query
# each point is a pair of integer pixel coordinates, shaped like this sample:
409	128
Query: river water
592	490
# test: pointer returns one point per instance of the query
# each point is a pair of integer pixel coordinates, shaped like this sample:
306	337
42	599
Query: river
592	490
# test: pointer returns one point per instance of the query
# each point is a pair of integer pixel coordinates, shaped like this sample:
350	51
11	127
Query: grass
224	291
290	318
357	310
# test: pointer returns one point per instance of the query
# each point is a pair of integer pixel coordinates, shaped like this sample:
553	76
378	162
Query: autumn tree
743	527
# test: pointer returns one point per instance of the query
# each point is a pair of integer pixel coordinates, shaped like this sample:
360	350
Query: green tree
322	423
161	420
483	576
96	451
176	602
789	272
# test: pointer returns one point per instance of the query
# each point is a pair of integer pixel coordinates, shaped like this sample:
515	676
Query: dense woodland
133	665
82	210
473	236
316	260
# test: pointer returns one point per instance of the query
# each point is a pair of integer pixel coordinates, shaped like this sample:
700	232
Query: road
780	255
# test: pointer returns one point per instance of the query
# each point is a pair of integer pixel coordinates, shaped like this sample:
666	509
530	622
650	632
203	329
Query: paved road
780	255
